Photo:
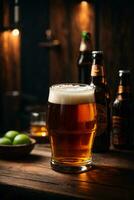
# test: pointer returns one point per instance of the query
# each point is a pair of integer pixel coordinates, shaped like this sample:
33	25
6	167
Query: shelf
50	44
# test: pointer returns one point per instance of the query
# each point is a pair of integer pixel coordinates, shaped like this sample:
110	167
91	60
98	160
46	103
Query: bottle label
118	128
101	119
97	70
123	89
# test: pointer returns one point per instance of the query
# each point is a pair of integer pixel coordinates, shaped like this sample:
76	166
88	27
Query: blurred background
39	46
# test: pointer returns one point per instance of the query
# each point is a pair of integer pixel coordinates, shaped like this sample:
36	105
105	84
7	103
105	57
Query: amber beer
71	126
38	129
38	124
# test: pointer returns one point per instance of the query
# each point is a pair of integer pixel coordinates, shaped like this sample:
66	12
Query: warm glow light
10	49
15	32
85	16
84	3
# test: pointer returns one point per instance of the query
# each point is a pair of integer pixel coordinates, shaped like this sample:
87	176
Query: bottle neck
85	45
123	92
97	72
123	88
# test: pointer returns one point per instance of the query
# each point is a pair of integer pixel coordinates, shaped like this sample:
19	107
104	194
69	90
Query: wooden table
32	178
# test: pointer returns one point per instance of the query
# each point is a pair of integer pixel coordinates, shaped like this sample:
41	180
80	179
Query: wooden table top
112	178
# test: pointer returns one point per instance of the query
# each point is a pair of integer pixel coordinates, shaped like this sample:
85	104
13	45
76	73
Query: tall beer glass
71	125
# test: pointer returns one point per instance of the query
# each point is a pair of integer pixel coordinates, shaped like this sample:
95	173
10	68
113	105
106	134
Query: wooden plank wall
9	51
10	61
116	26
34	59
112	26
113	34
67	20
10	71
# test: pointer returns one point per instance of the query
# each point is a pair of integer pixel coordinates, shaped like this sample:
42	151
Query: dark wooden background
116	27
29	68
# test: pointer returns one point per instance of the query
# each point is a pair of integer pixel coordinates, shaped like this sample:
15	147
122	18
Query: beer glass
38	124
71	124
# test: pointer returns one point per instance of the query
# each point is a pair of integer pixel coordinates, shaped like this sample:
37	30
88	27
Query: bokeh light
15	32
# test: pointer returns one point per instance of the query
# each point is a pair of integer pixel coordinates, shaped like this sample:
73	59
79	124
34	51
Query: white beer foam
69	94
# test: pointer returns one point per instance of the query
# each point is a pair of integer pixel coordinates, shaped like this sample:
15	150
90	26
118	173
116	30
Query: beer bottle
98	81
84	61
122	113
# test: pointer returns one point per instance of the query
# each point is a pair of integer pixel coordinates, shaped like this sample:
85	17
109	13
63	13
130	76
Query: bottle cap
124	72
97	54
85	35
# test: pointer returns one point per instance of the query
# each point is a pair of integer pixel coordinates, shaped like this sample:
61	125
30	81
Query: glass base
69	168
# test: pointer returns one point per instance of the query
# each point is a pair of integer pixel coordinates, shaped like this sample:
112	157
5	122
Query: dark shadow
31	158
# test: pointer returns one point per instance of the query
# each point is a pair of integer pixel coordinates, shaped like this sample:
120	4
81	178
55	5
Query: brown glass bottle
84	61
122	114
98	81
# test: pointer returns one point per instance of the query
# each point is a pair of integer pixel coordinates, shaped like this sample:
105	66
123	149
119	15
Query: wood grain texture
67	20
116	27
59	60
111	178
10	61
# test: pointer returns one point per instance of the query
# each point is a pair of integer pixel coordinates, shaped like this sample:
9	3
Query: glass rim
37	113
72	83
